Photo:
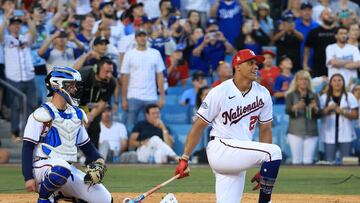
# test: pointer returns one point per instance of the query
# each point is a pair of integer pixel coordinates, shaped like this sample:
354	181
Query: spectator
113	136
303	107
304	24
99	86
95	9
136	12
195	62
99	49
38	16
342	5
318	9
346	18
152	138
224	72
229	15
342	57
120	7
177	68
108	16
85	36
201	6
252	37
188	97
180	31
293	8
288	41
266	23
354	35
200	96
339	109
212	47
141	78
356	93
269	72
193	21
282	82
19	70
60	54
318	39
166	14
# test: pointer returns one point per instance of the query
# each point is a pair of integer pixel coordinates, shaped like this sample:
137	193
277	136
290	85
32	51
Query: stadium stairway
5	136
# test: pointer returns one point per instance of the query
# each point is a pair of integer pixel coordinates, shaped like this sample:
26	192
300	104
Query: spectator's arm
306	58
44	47
352	114
246	8
124	145
298	35
160	84
352	65
214	9
32	28
133	142
168	139
73	4
229	49
3	26
289	106
279	94
81	60
198	50
124	88
278	35
97	110
72	37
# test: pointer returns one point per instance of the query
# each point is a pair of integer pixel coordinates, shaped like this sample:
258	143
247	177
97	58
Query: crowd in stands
138	58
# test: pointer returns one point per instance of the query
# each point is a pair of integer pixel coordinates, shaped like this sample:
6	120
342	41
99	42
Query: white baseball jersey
233	114
56	134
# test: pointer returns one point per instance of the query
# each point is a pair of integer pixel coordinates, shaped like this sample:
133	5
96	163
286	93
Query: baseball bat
141	197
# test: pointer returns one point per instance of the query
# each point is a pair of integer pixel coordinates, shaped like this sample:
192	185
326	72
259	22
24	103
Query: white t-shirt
83	7
234	115
345	124
197	5
142	67
18	61
113	135
151	8
347	53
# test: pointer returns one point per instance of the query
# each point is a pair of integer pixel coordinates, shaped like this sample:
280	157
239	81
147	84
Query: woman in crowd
339	109
302	105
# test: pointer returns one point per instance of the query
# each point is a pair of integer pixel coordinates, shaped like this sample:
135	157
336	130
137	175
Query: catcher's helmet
64	81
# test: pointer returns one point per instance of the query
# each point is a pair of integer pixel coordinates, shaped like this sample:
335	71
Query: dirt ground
206	198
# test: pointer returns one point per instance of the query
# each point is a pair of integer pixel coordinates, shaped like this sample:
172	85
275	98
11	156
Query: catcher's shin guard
56	178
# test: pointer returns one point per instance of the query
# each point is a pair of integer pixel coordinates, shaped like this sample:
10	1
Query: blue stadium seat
177	90
176	114
171	99
180	132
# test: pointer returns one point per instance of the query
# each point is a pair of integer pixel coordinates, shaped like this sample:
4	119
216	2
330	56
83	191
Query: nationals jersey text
233	114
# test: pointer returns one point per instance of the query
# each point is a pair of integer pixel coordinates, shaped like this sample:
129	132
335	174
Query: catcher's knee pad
56	178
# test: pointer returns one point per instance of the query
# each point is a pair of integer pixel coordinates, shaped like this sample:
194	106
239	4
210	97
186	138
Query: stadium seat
177	90
171	99
176	114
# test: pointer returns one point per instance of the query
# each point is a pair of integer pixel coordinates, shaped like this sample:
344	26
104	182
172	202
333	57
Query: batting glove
180	169
256	179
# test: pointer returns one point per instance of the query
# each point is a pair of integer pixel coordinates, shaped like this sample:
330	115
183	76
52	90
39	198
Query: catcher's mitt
95	172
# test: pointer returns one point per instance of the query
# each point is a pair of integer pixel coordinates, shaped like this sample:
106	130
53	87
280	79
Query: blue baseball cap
211	21
105	3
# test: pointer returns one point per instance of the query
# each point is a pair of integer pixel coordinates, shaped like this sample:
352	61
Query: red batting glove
257	179
180	169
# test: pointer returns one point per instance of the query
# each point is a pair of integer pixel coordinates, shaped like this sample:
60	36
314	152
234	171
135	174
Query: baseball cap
305	5
105	3
246	55
264	6
344	14
197	75
15	19
211	21
288	17
269	52
133	6
99	40
140	32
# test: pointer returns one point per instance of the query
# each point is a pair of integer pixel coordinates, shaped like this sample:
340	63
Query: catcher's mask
66	82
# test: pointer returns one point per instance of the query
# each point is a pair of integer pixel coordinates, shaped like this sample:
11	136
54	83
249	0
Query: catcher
52	134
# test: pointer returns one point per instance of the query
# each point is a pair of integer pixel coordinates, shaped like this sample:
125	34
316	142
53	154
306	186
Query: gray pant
29	89
136	109
330	151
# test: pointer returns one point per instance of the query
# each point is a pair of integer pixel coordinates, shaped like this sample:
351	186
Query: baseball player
234	108
52	134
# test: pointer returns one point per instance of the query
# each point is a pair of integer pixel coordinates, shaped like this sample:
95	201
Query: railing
24	103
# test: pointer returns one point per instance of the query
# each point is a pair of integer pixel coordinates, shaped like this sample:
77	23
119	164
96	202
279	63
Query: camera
307	99
63	34
171	10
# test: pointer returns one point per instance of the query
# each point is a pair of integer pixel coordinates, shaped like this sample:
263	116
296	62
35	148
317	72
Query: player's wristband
185	157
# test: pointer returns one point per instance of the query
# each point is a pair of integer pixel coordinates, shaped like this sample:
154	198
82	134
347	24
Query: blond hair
293	85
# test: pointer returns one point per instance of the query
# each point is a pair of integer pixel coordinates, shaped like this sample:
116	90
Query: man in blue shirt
212	47
188	97
304	24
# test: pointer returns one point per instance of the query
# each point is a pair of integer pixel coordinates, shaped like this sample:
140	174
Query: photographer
302	106
19	69
60	54
212	47
288	41
99	86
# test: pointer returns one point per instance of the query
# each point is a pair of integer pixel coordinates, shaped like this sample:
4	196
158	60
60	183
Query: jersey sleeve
33	130
210	107
82	137
266	113
353	104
